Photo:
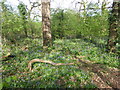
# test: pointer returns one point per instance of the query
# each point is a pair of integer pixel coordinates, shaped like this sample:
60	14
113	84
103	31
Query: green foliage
75	34
73	25
90	86
10	24
22	10
15	24
48	76
64	23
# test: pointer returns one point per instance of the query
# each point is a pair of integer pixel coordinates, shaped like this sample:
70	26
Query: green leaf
8	79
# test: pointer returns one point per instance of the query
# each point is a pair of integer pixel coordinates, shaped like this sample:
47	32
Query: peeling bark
47	38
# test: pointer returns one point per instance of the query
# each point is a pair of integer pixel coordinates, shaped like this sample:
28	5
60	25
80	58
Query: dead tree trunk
114	26
47	38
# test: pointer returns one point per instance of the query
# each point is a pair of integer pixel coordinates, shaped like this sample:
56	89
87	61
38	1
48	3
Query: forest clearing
61	47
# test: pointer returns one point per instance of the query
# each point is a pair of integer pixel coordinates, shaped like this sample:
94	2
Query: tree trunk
103	7
47	38
114	26
23	13
60	27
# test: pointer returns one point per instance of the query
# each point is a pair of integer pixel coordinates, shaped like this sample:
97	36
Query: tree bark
47	38
114	26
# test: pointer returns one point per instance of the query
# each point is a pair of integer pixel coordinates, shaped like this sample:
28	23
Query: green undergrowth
17	74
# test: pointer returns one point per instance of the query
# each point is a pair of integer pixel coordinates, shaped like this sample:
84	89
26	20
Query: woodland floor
102	75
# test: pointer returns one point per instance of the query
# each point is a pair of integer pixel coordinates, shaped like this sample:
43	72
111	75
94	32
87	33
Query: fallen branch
7	57
44	61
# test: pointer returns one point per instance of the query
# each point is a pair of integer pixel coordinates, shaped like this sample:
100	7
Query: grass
17	74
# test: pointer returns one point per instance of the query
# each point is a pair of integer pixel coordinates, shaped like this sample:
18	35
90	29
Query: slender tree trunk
23	13
47	38
25	28
114	26
103	7
60	29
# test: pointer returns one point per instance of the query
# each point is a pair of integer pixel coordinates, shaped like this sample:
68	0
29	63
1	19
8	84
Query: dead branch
44	61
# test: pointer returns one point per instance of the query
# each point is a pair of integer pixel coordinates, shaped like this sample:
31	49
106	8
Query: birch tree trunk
114	26
47	38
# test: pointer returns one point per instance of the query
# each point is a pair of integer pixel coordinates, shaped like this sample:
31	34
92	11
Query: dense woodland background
91	34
